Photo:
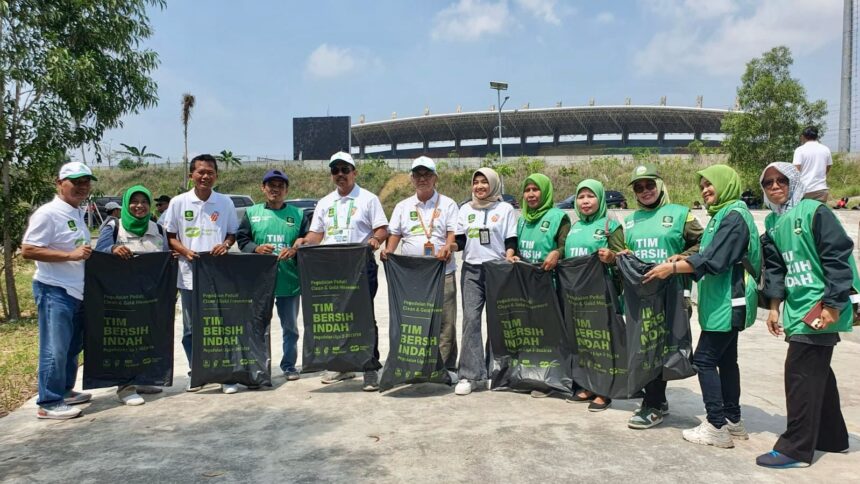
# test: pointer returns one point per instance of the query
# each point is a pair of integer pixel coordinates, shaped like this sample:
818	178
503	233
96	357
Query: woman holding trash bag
541	230
810	267
658	231
135	233
593	232
729	252
486	230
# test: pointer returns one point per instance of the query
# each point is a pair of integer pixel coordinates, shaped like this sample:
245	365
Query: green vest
281	229
536	240
792	234
715	290
586	238
655	235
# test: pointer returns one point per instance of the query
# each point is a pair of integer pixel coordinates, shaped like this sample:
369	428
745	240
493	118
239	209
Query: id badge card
429	249
340	236
484	236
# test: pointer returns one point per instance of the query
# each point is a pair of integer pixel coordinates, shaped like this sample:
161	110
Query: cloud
725	38
604	18
542	9
328	61
471	19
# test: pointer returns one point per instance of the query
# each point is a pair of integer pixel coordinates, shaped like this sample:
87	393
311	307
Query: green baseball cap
646	171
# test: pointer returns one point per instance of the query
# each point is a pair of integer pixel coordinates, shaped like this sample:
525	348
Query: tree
774	110
187	105
139	154
227	158
70	70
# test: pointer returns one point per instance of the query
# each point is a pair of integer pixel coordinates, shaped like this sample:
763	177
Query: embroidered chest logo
494	218
413	215
667	221
544	226
291	221
214	217
189	215
798	227
599	234
72	225
471	218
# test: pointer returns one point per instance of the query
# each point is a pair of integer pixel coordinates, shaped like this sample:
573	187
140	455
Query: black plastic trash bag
231	311
590	307
415	296
129	308
339	330
662	338
530	348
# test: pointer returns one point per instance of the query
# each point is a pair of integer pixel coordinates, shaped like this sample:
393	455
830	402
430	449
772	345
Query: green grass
19	345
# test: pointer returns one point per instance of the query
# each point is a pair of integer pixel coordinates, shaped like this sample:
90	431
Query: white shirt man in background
812	159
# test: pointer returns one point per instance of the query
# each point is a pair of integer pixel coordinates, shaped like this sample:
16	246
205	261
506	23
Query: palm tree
139	154
228	158
187	106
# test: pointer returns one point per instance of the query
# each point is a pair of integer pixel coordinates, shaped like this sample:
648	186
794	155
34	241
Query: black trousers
655	393
373	282
812	401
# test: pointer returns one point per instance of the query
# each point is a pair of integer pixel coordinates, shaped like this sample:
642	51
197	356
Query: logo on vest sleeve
471	218
667	221
544	226
291	221
413	215
72	226
798	227
189	215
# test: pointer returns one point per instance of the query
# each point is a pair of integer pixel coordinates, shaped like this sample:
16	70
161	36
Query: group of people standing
805	259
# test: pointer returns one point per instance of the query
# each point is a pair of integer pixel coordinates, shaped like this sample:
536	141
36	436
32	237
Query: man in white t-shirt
424	224
58	240
199	220
351	214
812	159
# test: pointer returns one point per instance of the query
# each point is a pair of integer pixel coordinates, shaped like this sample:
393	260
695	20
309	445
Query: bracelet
674	267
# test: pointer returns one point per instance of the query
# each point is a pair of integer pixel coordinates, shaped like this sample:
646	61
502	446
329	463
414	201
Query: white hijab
796	188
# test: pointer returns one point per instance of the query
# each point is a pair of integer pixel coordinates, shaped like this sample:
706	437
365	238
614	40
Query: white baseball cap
110	206
425	162
341	156
75	169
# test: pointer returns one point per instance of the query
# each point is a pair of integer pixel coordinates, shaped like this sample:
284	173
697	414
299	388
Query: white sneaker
464	387
229	388
59	411
336	376
132	399
189	388
707	434
737	430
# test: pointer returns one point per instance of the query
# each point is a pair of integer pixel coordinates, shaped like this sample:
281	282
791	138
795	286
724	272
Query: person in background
813	160
273	227
486	230
658	231
135	233
58	240
727	302
810	269
161	204
424	224
594	232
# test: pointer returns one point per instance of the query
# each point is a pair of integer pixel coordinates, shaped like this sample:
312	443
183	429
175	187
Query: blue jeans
721	390
288	312
186	296
61	338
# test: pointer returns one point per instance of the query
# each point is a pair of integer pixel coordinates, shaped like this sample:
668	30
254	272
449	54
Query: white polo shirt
501	221
59	226
439	216
199	225
348	219
813	158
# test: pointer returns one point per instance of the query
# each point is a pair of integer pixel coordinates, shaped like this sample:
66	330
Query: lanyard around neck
348	213
428	233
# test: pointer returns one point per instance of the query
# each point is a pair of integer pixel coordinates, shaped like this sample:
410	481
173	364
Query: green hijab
132	224
726	183
544	184
597	188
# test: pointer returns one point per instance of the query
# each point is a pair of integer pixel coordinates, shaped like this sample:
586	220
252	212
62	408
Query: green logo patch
291	221
192	232
798	227
331	212
416	230
599	234
413	215
72	226
473	233
189	215
667	221
544	226
471	218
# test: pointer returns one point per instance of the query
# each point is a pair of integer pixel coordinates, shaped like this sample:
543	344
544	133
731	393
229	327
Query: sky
255	65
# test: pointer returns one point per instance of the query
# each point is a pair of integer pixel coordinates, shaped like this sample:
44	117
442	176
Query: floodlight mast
499	87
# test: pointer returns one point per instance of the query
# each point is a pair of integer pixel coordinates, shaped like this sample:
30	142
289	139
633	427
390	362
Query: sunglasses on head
641	187
345	169
779	180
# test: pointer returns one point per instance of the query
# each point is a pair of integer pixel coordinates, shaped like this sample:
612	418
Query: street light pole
499	87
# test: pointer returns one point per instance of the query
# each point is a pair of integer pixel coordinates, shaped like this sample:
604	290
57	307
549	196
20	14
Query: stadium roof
559	121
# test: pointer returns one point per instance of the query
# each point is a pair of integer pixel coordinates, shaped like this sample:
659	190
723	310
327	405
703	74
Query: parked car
614	199
307	205
241	202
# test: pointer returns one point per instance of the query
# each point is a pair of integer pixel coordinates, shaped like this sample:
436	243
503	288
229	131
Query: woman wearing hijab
593	232
486	230
658	231
810	267
727	302
136	233
542	229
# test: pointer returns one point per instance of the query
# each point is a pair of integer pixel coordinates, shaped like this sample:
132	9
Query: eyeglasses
422	175
641	187
780	181
345	169
80	181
